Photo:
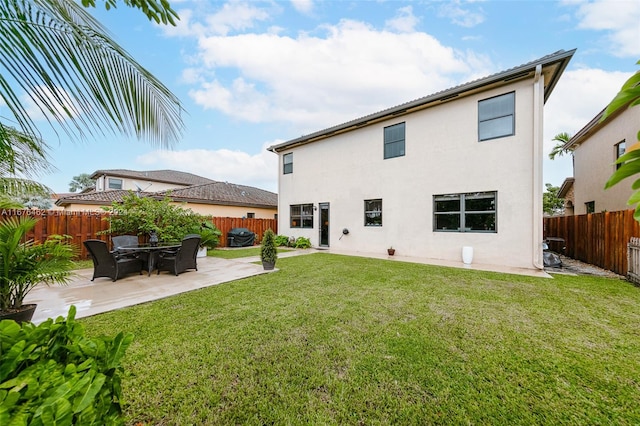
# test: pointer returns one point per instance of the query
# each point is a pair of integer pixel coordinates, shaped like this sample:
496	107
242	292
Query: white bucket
467	255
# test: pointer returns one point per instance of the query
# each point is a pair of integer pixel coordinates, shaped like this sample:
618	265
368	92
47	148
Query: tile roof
102	198
224	193
166	176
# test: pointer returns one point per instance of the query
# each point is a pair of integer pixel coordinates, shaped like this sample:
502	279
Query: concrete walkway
103	295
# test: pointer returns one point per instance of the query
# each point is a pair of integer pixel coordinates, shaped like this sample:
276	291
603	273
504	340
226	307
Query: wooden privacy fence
599	239
86	225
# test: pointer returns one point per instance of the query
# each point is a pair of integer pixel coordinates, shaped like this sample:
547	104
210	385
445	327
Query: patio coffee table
153	251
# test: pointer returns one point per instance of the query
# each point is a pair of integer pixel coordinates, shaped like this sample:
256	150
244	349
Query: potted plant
391	251
209	237
25	264
268	252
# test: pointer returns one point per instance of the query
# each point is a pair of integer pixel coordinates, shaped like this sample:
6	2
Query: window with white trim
115	183
496	117
287	163
470	212
301	215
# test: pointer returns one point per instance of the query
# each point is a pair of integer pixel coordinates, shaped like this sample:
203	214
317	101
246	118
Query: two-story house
595	149
458	168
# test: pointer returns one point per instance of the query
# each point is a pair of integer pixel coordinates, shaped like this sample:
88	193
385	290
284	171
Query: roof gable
165	176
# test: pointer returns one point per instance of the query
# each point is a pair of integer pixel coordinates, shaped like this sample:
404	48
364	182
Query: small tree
268	252
551	203
142	215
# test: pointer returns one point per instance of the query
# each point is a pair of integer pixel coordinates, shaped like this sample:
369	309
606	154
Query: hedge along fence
87	224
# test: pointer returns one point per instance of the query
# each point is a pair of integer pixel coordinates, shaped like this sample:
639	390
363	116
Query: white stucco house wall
595	149
459	168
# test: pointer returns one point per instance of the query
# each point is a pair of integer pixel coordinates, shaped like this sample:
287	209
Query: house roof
219	193
223	193
101	198
553	66
566	186
590	128
165	176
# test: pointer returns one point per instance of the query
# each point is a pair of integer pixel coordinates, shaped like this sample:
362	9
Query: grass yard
240	252
343	340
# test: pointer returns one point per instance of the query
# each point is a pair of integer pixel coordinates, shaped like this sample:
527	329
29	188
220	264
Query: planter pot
268	265
23	314
391	251
202	252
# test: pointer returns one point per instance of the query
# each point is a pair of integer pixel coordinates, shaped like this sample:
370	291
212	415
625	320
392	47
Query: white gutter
538	95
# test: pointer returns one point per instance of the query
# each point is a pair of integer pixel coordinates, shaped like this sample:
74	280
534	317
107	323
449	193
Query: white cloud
303	6
259	170
349	70
620	19
404	22
461	14
578	97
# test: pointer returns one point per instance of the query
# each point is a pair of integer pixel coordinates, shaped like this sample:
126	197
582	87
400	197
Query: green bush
302	242
141	215
282	241
53	374
268	252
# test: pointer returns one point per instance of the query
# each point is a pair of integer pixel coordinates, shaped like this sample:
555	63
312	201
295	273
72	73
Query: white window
471	212
115	183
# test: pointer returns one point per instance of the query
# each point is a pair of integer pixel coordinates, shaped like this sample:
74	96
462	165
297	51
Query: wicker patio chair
128	241
108	264
182	259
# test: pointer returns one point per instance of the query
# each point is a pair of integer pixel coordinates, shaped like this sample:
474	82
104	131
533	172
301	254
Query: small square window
373	212
287	163
590	206
251	215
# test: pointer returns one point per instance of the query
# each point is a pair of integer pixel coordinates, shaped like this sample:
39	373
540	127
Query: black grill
240	237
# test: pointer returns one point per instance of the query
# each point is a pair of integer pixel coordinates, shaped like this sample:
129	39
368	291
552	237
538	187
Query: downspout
538	95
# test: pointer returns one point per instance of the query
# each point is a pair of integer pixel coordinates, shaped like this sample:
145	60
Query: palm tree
81	81
559	149
81	182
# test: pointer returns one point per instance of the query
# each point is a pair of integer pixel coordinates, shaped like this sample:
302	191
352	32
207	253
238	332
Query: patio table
153	250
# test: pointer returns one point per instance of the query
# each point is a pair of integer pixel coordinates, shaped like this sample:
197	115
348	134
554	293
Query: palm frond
79	78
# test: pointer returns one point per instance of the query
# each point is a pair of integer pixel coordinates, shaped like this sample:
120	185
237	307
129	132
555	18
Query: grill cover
240	237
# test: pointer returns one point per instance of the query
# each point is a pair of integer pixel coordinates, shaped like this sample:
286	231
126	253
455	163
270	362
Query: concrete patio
103	295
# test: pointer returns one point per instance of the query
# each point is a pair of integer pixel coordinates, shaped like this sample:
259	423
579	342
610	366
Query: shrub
53	374
268	252
282	241
302	242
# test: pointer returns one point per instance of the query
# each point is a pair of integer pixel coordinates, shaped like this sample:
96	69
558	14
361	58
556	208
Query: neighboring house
459	168
568	194
202	195
595	149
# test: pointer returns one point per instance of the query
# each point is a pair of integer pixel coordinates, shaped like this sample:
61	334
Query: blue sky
254	73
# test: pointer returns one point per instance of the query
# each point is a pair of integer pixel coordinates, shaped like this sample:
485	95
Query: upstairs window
301	215
373	212
590	206
471	212
287	163
496	117
394	141
115	183
621	148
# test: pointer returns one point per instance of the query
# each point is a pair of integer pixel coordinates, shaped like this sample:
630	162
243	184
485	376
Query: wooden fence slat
600	239
82	226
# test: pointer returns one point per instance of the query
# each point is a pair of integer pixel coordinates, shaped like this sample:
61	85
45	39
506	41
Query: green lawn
239	252
342	340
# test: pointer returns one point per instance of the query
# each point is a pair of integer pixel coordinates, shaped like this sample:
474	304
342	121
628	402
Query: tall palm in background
558	150
81	82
